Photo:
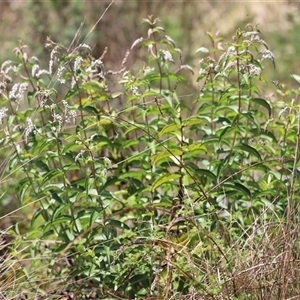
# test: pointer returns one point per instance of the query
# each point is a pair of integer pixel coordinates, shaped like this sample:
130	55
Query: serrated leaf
165	178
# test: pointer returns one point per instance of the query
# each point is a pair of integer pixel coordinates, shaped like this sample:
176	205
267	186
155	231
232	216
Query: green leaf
93	86
263	103
225	108
196	148
165	178
206	173
248	149
224	131
23	186
116	223
71	93
103	140
52	174
296	77
238	186
116	95
30	96
170	128
131	175
40	164
196	120
249	115
91	109
267	134
71	146
165	154
152	93
200	172
59	210
129	143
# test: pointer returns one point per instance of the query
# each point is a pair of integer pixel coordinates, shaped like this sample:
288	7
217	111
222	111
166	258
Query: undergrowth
129	187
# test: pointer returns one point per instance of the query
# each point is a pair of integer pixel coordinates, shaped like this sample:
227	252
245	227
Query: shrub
136	189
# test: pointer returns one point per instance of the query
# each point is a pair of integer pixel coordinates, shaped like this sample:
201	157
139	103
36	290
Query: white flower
59	119
250	33
135	90
41	72
34	58
73	82
77	63
66	106
107	162
71	116
79	155
254	70
136	42
13	68
167	55
18	148
6	63
202	71
3	114
34	70
60	78
50	66
18	90
147	70
29	128
267	54
85	46
52	58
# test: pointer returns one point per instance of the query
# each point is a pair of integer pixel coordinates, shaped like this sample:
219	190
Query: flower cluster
3	114
30	128
69	115
17	91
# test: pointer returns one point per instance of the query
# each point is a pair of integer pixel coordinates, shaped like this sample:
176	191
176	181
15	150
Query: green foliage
136	190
